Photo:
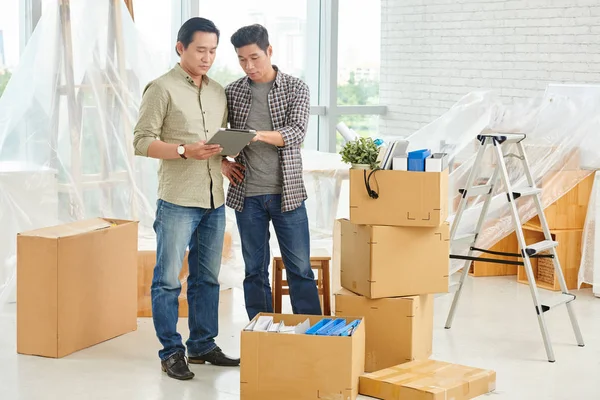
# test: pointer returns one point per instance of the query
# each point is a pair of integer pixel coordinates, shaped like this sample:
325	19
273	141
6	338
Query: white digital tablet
232	140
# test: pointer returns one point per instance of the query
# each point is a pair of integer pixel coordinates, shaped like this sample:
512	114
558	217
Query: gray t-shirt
263	168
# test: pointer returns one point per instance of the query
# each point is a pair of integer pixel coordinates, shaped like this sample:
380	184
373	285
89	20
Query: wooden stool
319	261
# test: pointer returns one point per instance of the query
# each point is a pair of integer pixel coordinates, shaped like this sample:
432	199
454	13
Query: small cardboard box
386	261
277	366
76	285
398	329
405	198
428	380
146	264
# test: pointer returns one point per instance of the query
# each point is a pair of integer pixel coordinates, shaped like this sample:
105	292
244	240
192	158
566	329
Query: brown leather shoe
215	357
176	367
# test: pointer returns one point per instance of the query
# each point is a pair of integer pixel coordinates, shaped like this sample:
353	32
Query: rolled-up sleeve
294	131
153	109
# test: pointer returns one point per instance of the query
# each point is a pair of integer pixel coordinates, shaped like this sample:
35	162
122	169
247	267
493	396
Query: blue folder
313	329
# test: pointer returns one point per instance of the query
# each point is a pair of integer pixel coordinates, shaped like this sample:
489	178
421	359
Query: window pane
153	20
363	125
9	40
359	37
285	21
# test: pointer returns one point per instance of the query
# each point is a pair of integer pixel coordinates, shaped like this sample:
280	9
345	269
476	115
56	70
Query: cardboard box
570	210
277	366
405	198
146	264
386	261
428	380
76	286
508	244
398	329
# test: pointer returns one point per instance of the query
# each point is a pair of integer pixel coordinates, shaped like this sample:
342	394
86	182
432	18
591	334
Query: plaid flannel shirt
289	103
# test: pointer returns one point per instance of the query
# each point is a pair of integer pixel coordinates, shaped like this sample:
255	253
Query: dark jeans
292	233
202	230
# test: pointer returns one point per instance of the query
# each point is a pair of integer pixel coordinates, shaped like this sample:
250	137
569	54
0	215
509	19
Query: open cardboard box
277	366
405	198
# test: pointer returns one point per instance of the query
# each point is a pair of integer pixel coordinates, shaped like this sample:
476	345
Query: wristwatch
181	151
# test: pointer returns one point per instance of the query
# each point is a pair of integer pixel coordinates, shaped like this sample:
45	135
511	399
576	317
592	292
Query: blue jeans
292	233
202	230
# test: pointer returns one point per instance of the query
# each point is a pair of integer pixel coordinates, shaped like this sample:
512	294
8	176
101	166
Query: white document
275	327
250	326
297	329
400	164
263	324
303	327
396	149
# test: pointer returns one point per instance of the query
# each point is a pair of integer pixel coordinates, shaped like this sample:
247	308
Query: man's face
200	54
255	62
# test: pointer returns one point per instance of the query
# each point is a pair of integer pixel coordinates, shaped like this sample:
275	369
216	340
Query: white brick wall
435	51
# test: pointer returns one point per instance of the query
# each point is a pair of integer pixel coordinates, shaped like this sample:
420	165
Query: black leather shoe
215	357
176	367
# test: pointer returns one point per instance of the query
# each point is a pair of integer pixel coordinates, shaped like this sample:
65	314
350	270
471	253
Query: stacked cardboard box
394	257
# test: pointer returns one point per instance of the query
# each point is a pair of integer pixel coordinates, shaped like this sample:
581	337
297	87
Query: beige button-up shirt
175	110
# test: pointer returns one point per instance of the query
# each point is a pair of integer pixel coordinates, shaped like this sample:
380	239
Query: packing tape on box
432	376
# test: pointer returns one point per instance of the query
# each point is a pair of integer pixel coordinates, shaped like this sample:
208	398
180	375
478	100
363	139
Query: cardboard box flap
72	229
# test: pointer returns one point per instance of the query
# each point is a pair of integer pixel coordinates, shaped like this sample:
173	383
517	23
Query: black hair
193	25
251	34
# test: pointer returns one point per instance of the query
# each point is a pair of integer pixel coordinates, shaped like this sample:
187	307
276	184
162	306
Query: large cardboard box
405	198
277	366
398	329
387	261
428	380
76	286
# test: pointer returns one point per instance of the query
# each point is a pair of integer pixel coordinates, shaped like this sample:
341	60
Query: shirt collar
187	77
278	77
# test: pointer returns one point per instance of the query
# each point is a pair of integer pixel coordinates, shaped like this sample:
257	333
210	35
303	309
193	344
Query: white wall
435	51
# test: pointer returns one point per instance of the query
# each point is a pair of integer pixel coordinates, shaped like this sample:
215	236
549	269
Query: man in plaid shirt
266	179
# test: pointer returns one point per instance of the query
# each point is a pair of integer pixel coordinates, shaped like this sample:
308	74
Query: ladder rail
526	260
479	226
557	266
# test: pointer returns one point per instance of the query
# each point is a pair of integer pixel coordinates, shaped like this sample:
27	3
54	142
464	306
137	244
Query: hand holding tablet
232	141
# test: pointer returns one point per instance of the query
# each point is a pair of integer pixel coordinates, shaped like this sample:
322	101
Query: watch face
180	149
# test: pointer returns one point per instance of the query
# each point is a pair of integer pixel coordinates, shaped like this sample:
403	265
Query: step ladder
501	143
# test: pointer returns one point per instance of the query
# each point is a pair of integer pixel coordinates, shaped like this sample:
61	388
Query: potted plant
360	153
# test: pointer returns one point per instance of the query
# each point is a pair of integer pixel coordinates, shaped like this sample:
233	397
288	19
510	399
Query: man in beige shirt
179	112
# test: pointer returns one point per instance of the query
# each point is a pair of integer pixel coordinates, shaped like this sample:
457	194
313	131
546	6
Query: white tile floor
495	328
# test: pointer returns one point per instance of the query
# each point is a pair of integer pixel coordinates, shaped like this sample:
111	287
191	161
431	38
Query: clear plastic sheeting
590	257
66	131
563	135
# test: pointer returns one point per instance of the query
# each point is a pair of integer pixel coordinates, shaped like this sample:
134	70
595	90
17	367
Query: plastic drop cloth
66	153
563	138
66	131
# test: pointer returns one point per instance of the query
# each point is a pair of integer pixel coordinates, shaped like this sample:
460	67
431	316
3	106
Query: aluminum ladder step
503	137
537	248
557	301
524	192
476	190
